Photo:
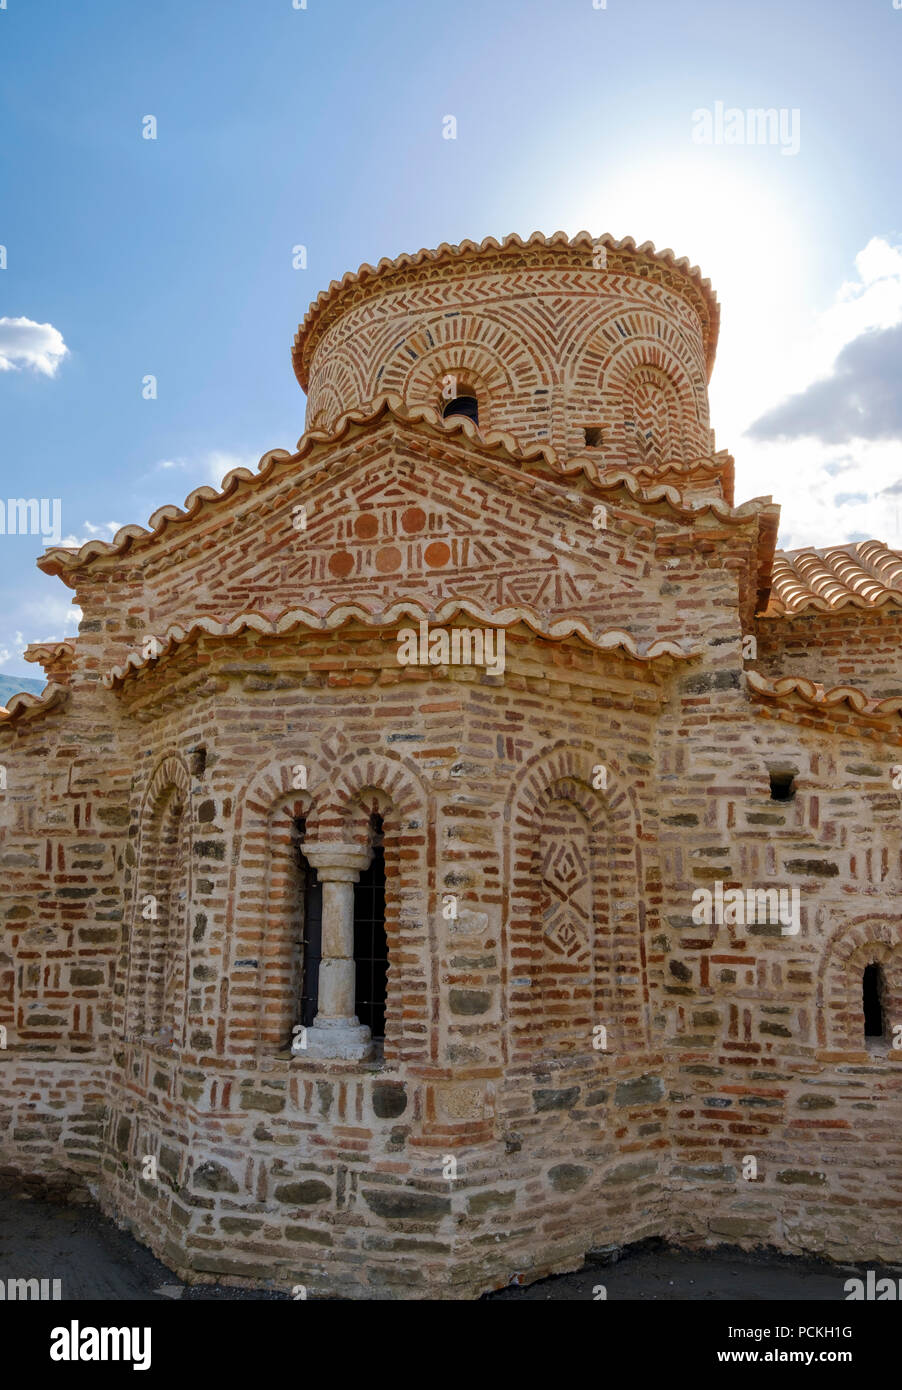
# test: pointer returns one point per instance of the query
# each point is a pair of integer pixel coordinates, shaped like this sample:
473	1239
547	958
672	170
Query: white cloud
219	464
209	467
24	343
831	491
49	619
105	531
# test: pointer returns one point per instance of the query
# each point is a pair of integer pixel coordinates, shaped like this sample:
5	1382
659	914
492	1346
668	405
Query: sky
124	258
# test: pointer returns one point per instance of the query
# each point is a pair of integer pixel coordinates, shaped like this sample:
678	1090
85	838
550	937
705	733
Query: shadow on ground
96	1261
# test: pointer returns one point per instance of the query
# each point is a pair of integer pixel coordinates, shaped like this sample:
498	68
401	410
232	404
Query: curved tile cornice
62	561
471	250
27	706
611	639
783	688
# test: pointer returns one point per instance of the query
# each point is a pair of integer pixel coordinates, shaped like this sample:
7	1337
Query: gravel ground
97	1261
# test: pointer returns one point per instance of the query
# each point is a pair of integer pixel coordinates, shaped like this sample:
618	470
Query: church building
465	842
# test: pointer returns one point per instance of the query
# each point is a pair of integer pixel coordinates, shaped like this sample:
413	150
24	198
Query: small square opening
594	435
198	761
782	786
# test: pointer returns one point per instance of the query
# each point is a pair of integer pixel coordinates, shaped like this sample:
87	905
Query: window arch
859	992
551	804
388	787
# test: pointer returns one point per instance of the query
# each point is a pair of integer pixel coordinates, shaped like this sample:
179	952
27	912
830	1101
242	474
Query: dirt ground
97	1261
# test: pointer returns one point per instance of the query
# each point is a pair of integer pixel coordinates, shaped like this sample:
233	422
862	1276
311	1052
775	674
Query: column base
345	1040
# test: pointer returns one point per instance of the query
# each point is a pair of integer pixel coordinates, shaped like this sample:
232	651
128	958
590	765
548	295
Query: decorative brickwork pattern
590	708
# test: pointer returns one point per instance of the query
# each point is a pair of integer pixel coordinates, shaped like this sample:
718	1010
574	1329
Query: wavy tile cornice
471	250
610	639
49	651
28	706
62	561
783	688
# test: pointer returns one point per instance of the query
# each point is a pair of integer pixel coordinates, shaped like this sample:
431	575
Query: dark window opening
594	435
872	999
311	943
198	761
462	405
782	786
370	941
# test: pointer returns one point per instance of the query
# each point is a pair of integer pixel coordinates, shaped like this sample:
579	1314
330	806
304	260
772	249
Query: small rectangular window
594	435
782	786
873	991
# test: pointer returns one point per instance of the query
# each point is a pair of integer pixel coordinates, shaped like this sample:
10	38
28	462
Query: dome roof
622	257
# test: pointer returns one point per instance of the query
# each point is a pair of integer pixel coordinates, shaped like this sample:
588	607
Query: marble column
336	1030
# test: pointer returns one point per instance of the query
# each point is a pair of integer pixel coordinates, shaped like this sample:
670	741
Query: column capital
336	860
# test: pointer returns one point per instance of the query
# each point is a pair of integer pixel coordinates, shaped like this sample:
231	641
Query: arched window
462	405
370	940
873	994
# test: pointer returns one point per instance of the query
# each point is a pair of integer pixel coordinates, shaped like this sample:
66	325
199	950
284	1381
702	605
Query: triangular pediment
397	520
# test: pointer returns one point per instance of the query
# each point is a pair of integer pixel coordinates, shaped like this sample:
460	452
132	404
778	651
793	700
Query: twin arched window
370	939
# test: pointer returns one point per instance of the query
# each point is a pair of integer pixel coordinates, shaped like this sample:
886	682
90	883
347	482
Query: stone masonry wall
333	1175
852	646
764	1031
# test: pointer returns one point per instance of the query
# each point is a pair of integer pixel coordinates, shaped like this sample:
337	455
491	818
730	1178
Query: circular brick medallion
341	564
437	554
388	559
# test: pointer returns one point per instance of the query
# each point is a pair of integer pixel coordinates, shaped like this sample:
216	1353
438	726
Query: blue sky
323	127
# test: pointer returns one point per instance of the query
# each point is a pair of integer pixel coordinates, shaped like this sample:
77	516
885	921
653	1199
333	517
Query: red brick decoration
572	1057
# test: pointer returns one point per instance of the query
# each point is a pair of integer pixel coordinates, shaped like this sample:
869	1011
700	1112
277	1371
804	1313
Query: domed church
464	843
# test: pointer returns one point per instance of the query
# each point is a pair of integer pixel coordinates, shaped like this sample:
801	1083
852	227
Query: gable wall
853	646
395	523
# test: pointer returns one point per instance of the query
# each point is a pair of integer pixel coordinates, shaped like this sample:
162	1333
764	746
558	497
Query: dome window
467	406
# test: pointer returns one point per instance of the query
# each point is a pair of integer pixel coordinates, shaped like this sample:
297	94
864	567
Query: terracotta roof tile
864	574
495	446
782	689
27	706
609	639
49	651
